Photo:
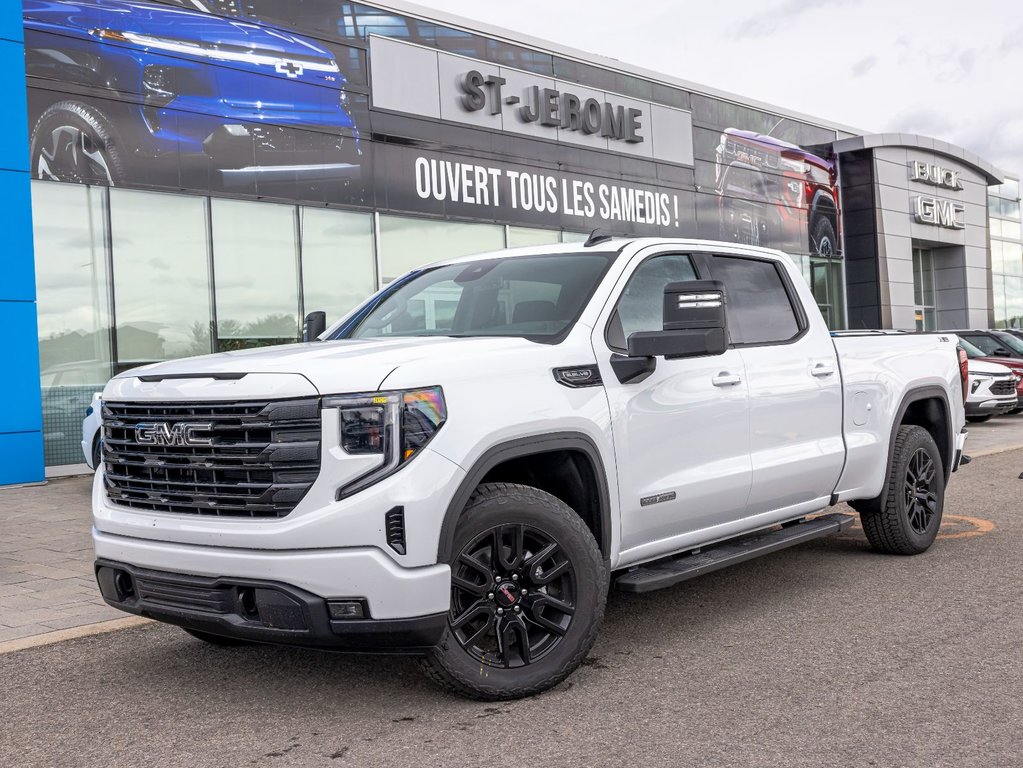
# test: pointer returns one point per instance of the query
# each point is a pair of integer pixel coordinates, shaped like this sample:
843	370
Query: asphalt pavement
823	655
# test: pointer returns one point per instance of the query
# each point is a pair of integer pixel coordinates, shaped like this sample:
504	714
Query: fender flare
916	395
518	448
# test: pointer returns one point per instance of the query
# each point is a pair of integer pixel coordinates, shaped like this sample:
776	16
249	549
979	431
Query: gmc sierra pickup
463	466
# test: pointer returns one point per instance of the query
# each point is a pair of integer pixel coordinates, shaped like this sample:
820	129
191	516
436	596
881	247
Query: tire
824	239
897	523
218	640
76	142
548	623
978	419
97	452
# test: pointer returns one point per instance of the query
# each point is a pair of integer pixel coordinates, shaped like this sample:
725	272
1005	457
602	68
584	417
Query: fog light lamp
345	609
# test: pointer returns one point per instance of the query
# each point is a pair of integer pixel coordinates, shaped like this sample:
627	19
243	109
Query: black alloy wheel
528	588
921	500
512	595
904	519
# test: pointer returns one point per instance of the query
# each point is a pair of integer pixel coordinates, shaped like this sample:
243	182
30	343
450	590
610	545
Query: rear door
795	390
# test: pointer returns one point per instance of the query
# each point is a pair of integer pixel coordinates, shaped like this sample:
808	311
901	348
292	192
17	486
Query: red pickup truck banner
272	100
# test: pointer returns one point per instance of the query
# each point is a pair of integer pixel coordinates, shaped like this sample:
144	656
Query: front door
681	436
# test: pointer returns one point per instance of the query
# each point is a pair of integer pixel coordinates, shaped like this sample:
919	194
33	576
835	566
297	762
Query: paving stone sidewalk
46	580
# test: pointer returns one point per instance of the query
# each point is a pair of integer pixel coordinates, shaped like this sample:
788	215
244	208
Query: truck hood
332	367
996	369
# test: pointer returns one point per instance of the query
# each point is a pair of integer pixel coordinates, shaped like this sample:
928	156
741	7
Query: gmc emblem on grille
162	433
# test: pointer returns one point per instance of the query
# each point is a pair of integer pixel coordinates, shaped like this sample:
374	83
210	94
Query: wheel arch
927	407
505	456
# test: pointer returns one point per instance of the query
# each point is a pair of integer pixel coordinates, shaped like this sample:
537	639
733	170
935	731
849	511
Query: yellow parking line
72	633
980	527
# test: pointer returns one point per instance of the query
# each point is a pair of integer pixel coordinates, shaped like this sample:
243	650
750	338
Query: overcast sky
943	68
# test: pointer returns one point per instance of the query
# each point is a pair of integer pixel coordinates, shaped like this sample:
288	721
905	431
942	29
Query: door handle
726	379
821	370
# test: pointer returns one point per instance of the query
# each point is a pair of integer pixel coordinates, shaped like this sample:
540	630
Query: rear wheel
905	519
978	419
528	586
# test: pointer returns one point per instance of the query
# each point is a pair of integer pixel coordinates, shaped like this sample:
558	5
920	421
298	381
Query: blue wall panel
17	266
11	27
20	381
21	437
21	458
14	147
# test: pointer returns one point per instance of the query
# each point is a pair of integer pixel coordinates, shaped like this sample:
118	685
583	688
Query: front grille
156	591
1003	387
247	459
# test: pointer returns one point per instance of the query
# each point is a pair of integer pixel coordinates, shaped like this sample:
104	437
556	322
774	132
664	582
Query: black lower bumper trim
259	611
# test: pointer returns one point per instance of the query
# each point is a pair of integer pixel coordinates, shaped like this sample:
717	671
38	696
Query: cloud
863	66
1012	41
769	21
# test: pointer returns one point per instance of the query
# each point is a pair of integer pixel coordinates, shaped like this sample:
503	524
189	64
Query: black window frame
610	319
798	311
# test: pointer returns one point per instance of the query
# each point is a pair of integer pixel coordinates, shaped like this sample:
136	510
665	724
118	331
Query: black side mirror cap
315	324
678	344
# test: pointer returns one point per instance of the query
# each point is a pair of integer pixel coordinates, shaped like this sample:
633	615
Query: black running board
666	573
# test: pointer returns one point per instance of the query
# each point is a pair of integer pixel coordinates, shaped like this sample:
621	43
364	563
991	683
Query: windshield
1013	343
537	297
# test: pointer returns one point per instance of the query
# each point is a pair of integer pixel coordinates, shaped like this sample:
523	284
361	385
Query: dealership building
183	177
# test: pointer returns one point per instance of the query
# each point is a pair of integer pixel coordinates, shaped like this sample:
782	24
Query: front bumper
389	591
992	405
258	610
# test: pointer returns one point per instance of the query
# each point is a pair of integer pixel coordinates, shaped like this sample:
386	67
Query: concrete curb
992	451
72	633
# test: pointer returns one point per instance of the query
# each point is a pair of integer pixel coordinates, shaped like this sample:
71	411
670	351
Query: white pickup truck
462	467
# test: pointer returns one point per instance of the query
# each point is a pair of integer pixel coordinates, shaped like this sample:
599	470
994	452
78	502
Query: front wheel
905	518
528	586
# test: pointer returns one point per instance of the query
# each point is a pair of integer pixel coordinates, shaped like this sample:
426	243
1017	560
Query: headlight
393	425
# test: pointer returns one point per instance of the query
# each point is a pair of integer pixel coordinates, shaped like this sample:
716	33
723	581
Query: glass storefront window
1013	302
524	236
255	258
73	286
338	265
575	237
923	290
827	283
1010	230
409	243
161	276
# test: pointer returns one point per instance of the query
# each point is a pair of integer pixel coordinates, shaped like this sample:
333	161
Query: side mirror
694	323
1002	352
315	324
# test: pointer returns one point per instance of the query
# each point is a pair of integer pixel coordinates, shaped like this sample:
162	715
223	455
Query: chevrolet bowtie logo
289	68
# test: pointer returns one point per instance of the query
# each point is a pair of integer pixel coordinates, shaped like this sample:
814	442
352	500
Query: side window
641	305
987	344
758	307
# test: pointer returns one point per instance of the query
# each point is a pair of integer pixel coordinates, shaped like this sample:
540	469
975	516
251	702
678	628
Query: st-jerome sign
552	108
